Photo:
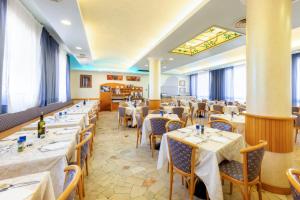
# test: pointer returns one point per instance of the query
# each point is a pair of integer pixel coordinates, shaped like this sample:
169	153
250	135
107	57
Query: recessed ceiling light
164	67
171	59
212	37
66	22
146	65
78	48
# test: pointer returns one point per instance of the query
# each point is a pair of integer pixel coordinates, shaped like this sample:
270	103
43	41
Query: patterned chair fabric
69	178
178	111
122	111
10	120
139	121
230	103
181	155
295	193
174	125
235	169
84	150
201	106
218	108
158	125
221	125
145	111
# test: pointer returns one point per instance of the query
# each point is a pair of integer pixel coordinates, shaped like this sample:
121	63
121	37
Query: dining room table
237	120
52	153
146	128
169	109
60	120
214	146
36	186
132	111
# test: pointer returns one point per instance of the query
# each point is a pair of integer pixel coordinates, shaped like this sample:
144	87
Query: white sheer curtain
62	75
21	71
203	85
229	87
239	83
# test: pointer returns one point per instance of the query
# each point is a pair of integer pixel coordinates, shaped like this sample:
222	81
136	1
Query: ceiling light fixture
78	48
164	67
171	59
146	65
66	22
212	37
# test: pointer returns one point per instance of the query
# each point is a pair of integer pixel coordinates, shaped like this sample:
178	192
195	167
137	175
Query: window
239	83
21	63
296	79
203	85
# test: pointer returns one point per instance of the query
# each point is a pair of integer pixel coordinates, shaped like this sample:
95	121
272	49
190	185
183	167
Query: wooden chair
293	177
201	109
221	125
82	134
295	109
72	181
123	118
178	111
158	128
82	157
182	161
245	174
140	120
178	103
93	120
191	115
185	117
218	108
145	111
297	125
173	125
155	112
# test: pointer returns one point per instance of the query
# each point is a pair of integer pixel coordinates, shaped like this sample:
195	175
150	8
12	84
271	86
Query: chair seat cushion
233	169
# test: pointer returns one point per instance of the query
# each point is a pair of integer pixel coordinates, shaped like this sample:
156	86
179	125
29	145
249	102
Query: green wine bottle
41	126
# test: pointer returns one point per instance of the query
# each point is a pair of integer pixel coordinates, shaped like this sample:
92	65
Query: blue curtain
49	64
295	86
68	78
217	84
3	8
193	84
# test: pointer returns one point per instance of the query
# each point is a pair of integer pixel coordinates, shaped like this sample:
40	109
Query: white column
154	78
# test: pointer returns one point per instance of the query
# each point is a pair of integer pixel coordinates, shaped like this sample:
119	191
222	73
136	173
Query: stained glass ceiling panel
212	37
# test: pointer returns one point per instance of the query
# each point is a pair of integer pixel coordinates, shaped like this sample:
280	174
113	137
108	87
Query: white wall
169	83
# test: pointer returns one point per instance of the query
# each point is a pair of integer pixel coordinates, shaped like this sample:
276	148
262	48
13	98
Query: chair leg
296	135
137	138
246	193
150	141
191	187
153	145
259	191
182	180
171	183
87	166
230	191
82	182
79	188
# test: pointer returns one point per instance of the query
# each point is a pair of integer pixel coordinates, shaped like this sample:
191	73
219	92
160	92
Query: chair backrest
139	120
230	103
83	149
173	125
218	108
178	111
190	105
178	103
158	125
221	125
252	159
122	111
73	173
295	109
201	106
297	119
294	180
85	131
182	155
242	109
145	111
184	118
93	119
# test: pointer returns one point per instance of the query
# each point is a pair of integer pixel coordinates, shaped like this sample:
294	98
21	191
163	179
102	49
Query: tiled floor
119	171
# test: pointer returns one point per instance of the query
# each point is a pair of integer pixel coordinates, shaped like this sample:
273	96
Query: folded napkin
220	139
20	193
194	139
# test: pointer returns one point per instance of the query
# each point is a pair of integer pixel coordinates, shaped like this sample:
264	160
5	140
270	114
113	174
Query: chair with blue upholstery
72	181
221	125
82	158
173	125
145	111
178	111
139	120
155	112
201	109
294	180
218	108
182	161
123	118
246	174
158	128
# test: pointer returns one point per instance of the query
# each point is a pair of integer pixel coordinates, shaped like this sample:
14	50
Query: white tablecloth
131	110
238	121
38	157
146	129
169	109
42	190
60	122
215	147
230	109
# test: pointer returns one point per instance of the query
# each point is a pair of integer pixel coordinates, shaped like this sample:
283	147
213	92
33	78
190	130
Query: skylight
210	38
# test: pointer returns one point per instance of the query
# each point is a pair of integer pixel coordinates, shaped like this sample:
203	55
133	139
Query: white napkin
20	193
193	139
220	139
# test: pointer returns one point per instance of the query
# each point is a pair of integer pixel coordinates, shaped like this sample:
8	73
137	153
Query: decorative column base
278	132
154	104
